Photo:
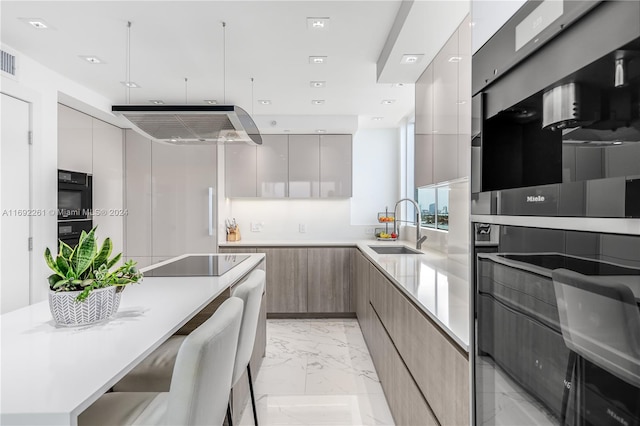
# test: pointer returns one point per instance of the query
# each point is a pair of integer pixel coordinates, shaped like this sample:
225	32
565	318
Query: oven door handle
211	211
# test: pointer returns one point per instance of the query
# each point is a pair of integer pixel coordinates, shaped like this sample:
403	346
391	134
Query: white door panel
14	204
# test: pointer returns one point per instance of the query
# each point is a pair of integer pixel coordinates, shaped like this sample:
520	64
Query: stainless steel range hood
196	124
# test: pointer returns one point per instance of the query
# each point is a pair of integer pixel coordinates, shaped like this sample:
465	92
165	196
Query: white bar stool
200	383
600	322
154	372
251	293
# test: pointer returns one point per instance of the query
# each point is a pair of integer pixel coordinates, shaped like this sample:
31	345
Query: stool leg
253	397
565	395
229	418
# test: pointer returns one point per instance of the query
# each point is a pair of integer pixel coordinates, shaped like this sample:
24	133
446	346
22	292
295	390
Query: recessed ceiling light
317	23
130	84
321	131
210	101
92	59
411	59
398	85
317	84
377	118
455	59
461	102
37	23
318	101
317	59
156	102
617	143
388	101
264	101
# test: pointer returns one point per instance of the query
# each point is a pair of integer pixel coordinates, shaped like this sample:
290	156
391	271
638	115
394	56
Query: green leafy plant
85	267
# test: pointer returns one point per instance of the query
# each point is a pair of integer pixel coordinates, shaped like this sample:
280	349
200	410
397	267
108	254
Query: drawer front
407	404
439	368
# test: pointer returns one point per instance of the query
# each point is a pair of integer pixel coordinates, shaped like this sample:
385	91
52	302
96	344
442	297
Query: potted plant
82	289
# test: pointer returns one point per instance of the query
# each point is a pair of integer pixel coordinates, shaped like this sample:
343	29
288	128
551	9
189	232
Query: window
434	206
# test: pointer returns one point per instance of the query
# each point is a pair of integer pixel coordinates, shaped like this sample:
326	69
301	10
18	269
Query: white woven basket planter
99	305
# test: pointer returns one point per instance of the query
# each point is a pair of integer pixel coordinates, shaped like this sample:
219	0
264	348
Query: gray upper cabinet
240	170
335	166
424	102
423	142
445	88
75	140
423	160
445	157
272	163
464	98
293	166
464	78
304	170
443	113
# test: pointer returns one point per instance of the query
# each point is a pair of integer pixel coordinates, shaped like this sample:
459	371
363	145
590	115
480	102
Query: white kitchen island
51	374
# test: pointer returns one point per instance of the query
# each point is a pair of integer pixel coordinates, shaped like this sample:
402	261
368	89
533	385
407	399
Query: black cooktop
198	266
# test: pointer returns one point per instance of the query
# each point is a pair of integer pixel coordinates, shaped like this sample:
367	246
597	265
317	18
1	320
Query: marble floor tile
284	374
341	374
320	410
317	372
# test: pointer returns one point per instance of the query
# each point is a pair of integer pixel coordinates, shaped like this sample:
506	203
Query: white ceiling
266	40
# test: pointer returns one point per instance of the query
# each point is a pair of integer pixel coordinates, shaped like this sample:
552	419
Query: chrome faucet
419	239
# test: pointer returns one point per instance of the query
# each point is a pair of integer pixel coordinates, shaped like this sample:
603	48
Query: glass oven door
74	200
557	327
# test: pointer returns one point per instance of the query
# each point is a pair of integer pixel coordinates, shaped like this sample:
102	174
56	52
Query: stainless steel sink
394	250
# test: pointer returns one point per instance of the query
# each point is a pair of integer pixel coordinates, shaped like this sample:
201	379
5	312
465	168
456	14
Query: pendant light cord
252	101
128	67
224	62
185	90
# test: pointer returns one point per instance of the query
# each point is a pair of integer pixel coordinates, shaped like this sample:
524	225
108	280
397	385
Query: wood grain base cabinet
406	403
360	292
287	278
437	366
329	279
306	280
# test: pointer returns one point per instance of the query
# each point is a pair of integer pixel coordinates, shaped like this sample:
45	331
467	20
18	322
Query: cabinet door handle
211	211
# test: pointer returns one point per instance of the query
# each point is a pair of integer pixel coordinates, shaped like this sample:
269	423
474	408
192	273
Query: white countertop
437	285
51	374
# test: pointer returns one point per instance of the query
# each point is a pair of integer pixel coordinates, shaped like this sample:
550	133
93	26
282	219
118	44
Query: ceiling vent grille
7	63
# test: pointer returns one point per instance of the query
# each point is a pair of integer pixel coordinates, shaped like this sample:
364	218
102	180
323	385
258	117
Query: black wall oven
74	195
75	204
555	184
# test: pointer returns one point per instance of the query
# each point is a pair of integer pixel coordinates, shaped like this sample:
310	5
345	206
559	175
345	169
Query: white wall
42	88
376	182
